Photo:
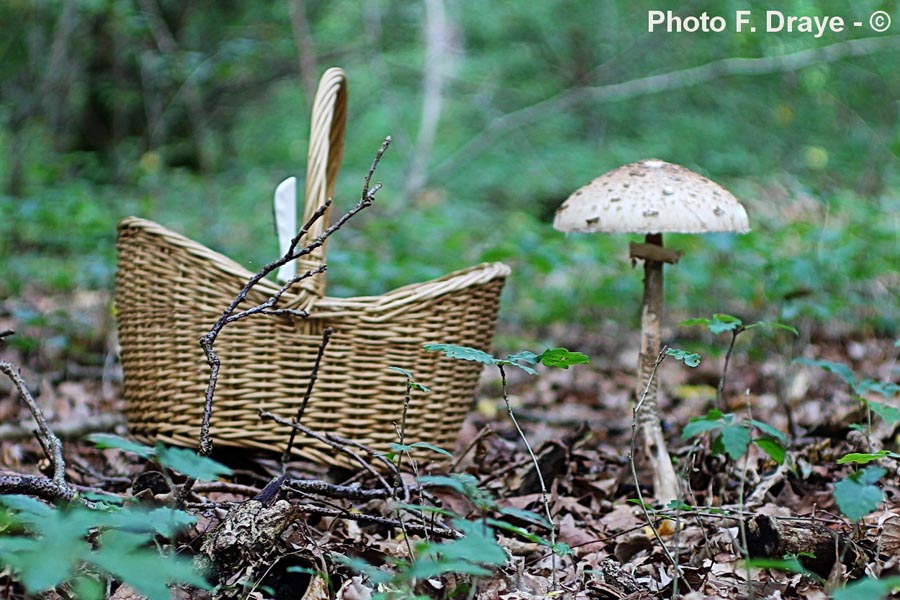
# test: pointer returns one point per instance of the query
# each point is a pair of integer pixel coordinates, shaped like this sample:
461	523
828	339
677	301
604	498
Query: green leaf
735	440
403	372
107	440
410	380
561	549
462	353
149	572
562	358
699	425
839	369
856	495
868	589
28	506
861	458
427	568
524	356
721	323
691	359
781	326
519	531
889	414
788	564
375	575
887	389
695	321
773	448
526	515
188	462
422	508
769	430
463	483
478	545
431	447
168	522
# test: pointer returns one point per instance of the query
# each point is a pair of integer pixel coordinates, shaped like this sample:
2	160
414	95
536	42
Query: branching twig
52	445
326	439
37	486
229	315
293	253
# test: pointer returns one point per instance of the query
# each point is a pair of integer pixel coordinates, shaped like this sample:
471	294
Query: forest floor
579	422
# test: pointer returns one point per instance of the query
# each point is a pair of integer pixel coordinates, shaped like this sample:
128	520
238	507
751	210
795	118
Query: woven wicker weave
170	290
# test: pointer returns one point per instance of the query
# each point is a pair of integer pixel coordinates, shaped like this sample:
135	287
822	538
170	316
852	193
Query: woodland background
189	113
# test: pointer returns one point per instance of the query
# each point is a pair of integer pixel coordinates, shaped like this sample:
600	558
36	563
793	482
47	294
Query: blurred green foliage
190	112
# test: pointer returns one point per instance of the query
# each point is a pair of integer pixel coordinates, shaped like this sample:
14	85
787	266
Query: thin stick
52	445
637	484
721	390
545	498
398	476
325	439
326	335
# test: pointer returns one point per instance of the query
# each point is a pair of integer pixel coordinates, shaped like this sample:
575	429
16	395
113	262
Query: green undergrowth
822	262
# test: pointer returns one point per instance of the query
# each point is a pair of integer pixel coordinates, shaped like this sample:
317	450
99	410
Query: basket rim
389	302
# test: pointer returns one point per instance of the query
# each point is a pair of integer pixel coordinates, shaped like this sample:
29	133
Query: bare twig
329	490
48	439
483	433
293	253
228	316
398	476
327	439
637	483
37	486
326	335
721	389
378	520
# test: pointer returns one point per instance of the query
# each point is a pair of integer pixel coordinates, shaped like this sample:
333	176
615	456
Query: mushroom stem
665	481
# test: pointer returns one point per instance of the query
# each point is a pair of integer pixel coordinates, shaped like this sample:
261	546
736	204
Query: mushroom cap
652	196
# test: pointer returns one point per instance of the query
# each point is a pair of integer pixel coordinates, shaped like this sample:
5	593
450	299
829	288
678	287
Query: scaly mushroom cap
651	196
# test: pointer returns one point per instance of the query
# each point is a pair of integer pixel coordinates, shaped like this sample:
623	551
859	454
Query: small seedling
732	436
861	386
858	494
722	323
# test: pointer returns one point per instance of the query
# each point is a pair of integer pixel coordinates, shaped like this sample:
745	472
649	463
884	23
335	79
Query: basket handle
326	147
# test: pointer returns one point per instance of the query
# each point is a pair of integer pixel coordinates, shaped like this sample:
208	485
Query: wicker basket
170	290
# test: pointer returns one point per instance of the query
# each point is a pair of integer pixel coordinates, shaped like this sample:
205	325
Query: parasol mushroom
652	197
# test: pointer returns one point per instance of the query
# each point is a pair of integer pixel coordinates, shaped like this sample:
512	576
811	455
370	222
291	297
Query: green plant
857	495
94	543
732	436
103	537
861	386
475	554
868	589
722	323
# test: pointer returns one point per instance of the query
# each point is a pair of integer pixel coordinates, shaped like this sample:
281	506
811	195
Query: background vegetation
189	112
